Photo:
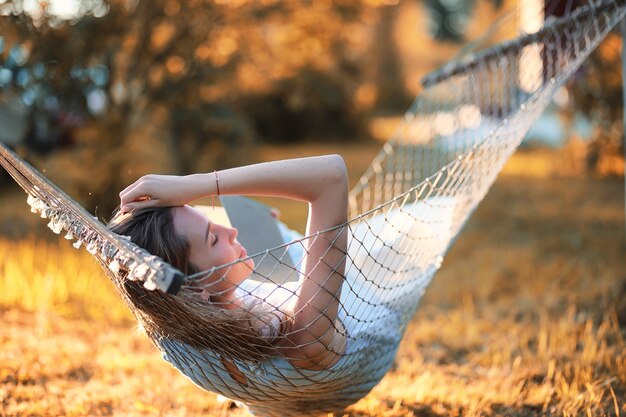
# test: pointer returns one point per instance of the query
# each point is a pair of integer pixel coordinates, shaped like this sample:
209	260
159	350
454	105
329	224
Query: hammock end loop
176	282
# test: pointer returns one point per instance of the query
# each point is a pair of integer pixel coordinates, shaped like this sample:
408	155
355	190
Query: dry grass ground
526	317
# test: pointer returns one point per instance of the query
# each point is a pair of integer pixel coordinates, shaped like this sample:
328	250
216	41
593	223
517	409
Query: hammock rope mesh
405	212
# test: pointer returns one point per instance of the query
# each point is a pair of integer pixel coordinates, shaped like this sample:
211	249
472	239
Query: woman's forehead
190	222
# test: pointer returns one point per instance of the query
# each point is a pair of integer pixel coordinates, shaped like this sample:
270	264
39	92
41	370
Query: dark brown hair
153	229
185	317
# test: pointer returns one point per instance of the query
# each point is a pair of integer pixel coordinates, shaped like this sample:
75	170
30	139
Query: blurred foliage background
99	92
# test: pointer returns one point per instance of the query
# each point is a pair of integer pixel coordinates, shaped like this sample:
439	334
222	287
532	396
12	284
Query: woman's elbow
338	172
329	189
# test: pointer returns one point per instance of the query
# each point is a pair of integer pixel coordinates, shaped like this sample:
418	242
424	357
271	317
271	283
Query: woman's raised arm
305	179
314	341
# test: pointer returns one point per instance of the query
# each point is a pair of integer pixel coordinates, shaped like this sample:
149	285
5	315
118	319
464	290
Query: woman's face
211	244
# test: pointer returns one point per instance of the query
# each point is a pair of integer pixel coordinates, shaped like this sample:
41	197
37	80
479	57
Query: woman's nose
233	234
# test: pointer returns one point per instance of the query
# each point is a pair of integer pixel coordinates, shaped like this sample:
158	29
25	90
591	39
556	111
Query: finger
124	196
129	188
133	194
138	205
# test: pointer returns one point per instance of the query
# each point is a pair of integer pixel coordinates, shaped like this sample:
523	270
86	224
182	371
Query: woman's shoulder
269	306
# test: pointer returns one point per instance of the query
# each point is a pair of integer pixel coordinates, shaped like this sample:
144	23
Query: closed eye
208	234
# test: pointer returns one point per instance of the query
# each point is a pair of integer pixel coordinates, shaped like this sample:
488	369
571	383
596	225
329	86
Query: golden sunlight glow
445	123
531	19
175	65
469	116
162	35
172	7
203	52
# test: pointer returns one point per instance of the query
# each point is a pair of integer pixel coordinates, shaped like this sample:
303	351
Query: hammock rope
65	214
405	212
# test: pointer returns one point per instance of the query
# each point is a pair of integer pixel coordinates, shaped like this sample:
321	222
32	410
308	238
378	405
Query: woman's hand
161	191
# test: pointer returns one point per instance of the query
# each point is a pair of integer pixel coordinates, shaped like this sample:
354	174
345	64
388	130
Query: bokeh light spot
175	65
96	101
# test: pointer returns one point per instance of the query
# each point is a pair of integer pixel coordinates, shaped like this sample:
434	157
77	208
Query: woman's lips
244	253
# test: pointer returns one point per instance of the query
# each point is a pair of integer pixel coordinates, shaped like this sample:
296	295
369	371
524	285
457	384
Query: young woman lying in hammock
153	212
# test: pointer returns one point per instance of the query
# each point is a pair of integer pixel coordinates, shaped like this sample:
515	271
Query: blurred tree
597	94
127	80
129	87
393	97
449	18
119	88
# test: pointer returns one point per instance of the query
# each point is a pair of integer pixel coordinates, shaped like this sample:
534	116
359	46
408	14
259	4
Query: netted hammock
405	212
